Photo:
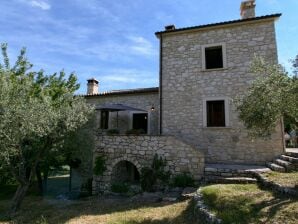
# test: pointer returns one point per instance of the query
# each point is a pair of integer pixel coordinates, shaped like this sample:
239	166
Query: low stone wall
140	150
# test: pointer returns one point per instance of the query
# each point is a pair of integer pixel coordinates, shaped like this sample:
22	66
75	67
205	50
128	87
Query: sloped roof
125	91
238	21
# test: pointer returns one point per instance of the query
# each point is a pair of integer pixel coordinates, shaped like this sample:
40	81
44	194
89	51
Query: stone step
230	180
291	159
283	163
276	167
292	154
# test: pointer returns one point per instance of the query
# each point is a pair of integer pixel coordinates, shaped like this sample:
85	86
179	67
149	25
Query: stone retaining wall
140	150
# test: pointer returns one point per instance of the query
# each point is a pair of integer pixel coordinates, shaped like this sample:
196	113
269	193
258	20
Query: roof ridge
124	91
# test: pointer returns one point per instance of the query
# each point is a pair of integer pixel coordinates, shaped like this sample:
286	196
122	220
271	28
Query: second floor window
213	57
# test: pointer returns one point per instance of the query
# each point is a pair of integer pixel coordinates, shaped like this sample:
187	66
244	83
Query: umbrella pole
117	119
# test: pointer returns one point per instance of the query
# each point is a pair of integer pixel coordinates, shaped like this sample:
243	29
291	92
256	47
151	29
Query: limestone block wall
142	101
185	86
140	150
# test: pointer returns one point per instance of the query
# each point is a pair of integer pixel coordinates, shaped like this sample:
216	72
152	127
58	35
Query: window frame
224	56
226	109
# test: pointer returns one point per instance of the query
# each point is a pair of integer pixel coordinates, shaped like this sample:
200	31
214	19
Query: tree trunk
45	180
39	180
18	197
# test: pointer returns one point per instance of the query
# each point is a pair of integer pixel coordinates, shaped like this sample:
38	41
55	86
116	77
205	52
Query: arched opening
125	172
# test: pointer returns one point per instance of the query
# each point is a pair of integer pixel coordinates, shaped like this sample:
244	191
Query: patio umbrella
116	108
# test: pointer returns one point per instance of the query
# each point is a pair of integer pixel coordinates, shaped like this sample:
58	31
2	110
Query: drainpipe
160	85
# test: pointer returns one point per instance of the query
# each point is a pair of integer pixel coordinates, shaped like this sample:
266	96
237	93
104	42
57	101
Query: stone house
190	119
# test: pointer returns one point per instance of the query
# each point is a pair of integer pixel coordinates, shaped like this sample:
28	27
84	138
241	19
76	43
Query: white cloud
141	46
39	4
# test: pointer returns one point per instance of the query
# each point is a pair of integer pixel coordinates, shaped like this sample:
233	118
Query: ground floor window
216	113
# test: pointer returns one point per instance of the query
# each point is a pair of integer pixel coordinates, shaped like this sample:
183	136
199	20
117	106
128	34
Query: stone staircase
225	173
286	162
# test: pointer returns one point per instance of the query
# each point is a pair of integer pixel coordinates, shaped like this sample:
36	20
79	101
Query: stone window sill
217	128
213	70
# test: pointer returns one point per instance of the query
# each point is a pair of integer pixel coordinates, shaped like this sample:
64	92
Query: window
214	56
104	119
216	113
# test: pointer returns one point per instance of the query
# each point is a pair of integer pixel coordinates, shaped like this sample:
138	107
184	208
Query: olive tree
33	107
272	96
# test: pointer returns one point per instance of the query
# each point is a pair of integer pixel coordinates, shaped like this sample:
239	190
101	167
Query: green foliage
37	112
183	180
271	96
113	132
135	132
295	66
156	174
99	165
121	188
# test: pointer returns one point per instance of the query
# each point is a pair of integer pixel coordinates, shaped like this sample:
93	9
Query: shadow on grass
254	206
36	210
48	209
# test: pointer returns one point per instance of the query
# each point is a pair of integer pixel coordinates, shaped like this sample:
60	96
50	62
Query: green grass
97	210
285	179
236	203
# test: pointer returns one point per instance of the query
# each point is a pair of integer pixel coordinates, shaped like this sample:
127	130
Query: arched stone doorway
125	172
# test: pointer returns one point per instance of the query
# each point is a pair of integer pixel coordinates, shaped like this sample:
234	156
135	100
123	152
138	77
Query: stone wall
185	86
142	101
140	150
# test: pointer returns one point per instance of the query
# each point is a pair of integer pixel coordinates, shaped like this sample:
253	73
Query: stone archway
129	165
125	172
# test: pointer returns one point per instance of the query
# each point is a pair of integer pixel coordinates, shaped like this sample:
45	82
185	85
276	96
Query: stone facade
143	101
178	129
140	150
186	86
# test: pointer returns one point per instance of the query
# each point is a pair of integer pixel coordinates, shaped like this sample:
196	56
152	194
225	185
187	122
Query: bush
121	188
99	166
135	132
151	176
183	180
113	132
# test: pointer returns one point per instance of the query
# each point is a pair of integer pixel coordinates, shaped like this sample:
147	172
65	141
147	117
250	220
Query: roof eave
221	24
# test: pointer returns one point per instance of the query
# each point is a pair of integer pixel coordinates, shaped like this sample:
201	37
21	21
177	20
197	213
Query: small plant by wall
155	176
99	165
135	132
121	188
113	132
182	180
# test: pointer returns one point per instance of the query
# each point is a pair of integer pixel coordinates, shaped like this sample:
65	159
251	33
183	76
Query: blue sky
113	40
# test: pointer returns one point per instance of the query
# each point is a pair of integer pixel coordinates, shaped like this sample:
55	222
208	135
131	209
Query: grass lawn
285	179
95	210
237	203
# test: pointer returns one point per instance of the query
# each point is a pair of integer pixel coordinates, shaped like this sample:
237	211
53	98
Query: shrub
121	188
135	132
183	180
150	176
99	166
113	132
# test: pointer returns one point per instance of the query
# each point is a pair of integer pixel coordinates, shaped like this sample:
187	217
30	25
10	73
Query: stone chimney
247	9
170	27
92	86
